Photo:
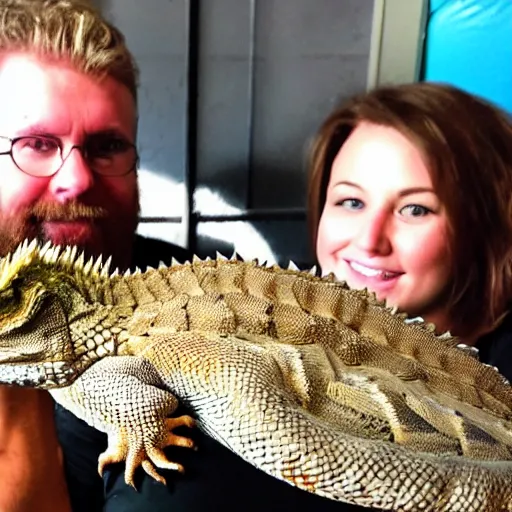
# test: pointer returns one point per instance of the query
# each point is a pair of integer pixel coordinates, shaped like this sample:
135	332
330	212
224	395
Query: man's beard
94	229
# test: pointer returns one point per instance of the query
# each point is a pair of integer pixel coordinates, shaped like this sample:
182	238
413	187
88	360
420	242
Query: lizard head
35	343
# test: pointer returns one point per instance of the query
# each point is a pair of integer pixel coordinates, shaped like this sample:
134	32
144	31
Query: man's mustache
66	212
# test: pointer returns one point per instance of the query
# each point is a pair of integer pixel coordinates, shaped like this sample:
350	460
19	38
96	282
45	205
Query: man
68	163
67	174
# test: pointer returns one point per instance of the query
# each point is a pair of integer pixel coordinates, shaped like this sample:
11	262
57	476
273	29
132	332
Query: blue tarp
469	44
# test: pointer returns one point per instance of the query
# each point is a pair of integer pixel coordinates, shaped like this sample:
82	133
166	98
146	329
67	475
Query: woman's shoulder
495	347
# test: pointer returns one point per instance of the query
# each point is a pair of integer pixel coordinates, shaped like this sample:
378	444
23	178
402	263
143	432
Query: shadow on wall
239	235
272	192
275	236
274	240
225	237
209	246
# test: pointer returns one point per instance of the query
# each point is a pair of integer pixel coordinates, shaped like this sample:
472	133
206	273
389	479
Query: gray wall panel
157	34
264	87
224	106
291	100
268	71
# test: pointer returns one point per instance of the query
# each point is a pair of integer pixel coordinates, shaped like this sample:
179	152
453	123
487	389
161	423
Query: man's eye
106	146
415	210
38	144
350	204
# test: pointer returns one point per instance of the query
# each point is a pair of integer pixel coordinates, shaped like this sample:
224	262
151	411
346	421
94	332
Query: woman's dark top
495	348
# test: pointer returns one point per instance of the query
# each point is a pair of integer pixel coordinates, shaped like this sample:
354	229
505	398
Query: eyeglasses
41	156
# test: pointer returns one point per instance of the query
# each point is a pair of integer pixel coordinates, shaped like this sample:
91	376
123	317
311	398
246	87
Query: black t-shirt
214	479
495	348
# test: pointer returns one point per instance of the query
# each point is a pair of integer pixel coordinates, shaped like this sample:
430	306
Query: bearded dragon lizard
317	384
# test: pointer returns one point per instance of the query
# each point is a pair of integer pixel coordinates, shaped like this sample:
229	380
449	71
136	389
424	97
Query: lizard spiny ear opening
26	278
21	295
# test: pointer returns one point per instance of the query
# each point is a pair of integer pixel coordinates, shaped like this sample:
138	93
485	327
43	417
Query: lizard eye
12	293
16	296
7	295
16	290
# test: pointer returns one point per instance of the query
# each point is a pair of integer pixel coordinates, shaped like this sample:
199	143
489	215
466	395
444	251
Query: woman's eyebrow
401	193
348	183
415	190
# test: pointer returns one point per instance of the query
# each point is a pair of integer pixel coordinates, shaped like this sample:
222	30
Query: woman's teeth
372	272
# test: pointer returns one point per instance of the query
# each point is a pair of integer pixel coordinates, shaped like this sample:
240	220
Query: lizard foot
138	450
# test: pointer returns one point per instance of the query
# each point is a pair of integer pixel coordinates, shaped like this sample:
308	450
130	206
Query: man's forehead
16	69
37	92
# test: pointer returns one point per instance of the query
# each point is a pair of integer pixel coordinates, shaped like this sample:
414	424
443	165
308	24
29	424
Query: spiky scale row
304	291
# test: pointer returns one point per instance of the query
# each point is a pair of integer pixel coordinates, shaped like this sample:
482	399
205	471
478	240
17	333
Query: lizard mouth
37	375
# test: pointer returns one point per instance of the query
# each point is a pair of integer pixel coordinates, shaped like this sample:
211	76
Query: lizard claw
116	452
173	439
139	451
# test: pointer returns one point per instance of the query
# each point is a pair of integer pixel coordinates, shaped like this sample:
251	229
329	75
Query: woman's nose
372	236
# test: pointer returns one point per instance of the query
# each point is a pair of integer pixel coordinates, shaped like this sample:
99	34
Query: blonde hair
68	29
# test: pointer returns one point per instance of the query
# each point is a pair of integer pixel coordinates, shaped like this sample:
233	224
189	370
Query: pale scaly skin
316	384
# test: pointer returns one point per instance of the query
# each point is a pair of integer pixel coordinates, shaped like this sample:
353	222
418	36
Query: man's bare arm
31	470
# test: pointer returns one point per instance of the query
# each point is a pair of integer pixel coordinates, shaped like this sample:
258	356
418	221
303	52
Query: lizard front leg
119	396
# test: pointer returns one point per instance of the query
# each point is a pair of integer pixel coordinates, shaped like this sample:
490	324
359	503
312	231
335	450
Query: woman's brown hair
466	143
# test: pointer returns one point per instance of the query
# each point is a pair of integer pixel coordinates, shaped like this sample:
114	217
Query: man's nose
373	236
74	178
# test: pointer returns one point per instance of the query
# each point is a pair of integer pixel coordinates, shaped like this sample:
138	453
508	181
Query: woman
411	197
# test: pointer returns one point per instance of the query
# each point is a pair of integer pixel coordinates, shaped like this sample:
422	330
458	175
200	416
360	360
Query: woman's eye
350	204
415	210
